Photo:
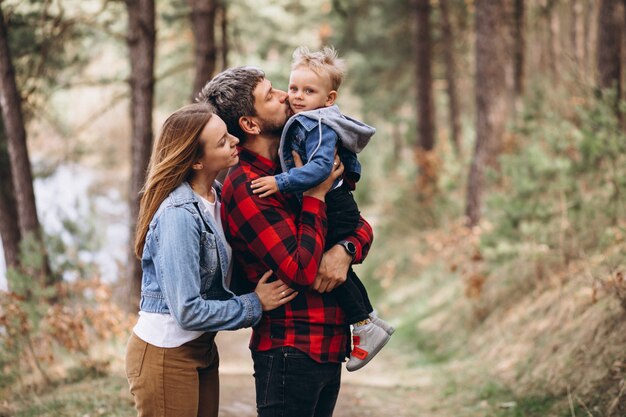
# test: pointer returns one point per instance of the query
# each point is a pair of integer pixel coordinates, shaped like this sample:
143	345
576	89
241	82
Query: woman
171	357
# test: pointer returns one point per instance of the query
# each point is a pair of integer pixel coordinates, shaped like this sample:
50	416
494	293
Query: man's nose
283	94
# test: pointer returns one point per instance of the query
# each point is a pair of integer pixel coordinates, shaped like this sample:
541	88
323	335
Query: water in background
71	195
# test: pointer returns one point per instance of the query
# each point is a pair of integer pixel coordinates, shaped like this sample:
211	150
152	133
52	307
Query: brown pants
174	382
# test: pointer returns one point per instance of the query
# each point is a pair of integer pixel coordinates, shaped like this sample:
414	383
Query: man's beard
273	127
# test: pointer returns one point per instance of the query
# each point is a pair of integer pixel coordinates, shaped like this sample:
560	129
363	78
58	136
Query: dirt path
385	387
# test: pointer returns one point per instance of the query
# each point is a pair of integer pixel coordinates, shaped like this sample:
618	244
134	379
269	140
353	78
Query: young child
315	130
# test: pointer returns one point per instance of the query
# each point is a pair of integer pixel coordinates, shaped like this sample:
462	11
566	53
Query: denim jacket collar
184	194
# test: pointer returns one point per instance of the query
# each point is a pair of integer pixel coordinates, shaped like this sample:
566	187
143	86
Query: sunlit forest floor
463	347
392	385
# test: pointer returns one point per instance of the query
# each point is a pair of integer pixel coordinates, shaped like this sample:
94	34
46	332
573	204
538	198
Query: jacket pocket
209	261
208	252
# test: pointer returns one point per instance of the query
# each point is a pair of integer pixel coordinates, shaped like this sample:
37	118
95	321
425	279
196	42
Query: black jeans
290	384
343	217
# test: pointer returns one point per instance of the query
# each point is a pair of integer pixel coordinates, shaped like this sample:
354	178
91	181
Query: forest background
495	183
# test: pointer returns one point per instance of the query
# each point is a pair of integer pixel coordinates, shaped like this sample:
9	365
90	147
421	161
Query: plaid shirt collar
261	163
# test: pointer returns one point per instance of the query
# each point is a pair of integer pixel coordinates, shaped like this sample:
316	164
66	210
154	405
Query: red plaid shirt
278	233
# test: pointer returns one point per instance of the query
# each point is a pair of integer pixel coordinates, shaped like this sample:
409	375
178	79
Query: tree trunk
588	35
11	104
453	99
492	96
549	19
9	218
425	100
519	39
203	27
577	36
555	46
223	16
610	54
141	43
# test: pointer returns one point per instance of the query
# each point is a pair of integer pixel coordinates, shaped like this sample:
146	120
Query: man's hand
265	185
333	269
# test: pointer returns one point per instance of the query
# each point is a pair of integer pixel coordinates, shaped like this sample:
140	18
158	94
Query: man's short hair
324	62
231	92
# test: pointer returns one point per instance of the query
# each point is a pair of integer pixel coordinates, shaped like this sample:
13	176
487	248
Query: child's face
309	91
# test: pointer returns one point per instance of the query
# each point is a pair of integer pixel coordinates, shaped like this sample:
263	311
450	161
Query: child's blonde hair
321	62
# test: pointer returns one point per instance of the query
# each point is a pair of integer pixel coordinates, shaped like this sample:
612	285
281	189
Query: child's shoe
382	323
368	340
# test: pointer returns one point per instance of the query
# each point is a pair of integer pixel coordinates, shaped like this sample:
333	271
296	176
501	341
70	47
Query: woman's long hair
175	150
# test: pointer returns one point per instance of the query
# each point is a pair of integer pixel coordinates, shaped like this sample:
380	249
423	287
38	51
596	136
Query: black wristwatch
349	247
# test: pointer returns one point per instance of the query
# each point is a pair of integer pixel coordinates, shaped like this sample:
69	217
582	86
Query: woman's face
219	146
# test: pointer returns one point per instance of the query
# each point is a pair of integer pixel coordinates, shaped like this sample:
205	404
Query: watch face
350	247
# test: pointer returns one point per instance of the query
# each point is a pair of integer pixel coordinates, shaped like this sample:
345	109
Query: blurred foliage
46	45
562	185
39	326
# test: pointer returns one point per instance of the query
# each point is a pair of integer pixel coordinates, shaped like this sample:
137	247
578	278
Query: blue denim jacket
314	136
184	263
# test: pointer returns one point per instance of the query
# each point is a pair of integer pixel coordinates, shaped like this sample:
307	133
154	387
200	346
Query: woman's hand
273	294
320	190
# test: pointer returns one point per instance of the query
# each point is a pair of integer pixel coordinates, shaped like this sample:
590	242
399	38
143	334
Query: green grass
106	396
503	403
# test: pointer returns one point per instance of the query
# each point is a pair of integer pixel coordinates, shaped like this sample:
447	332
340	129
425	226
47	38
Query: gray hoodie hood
353	134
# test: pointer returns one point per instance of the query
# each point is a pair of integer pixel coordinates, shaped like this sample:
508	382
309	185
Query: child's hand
265	185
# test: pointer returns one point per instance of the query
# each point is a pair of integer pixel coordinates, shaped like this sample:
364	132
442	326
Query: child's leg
342	213
358	284
350	298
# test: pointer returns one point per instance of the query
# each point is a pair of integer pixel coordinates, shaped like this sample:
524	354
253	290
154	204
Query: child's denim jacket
184	263
314	135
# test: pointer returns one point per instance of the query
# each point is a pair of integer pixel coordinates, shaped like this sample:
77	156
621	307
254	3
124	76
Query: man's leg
290	384
328	397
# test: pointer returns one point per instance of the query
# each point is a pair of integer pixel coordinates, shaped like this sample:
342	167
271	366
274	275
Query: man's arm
362	238
292	250
336	261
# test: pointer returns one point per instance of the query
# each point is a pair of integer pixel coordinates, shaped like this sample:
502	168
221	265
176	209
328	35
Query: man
297	349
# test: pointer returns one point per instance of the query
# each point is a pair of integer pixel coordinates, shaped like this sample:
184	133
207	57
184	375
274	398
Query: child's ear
330	99
249	125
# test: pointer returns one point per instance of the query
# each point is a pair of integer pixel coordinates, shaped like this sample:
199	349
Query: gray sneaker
368	340
382	323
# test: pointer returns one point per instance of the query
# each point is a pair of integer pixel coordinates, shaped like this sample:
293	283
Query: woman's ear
249	125
330	100
197	166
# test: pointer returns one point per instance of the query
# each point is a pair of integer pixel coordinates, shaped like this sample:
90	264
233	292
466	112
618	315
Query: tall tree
21	174
223	18
576	34
554	28
203	13
141	43
9	220
448	51
425	99
519	37
610	51
492	96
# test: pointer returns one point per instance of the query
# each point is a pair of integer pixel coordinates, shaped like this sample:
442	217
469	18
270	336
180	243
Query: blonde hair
174	152
324	62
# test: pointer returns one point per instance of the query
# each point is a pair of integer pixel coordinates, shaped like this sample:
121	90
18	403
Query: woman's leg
143	362
165	382
209	392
